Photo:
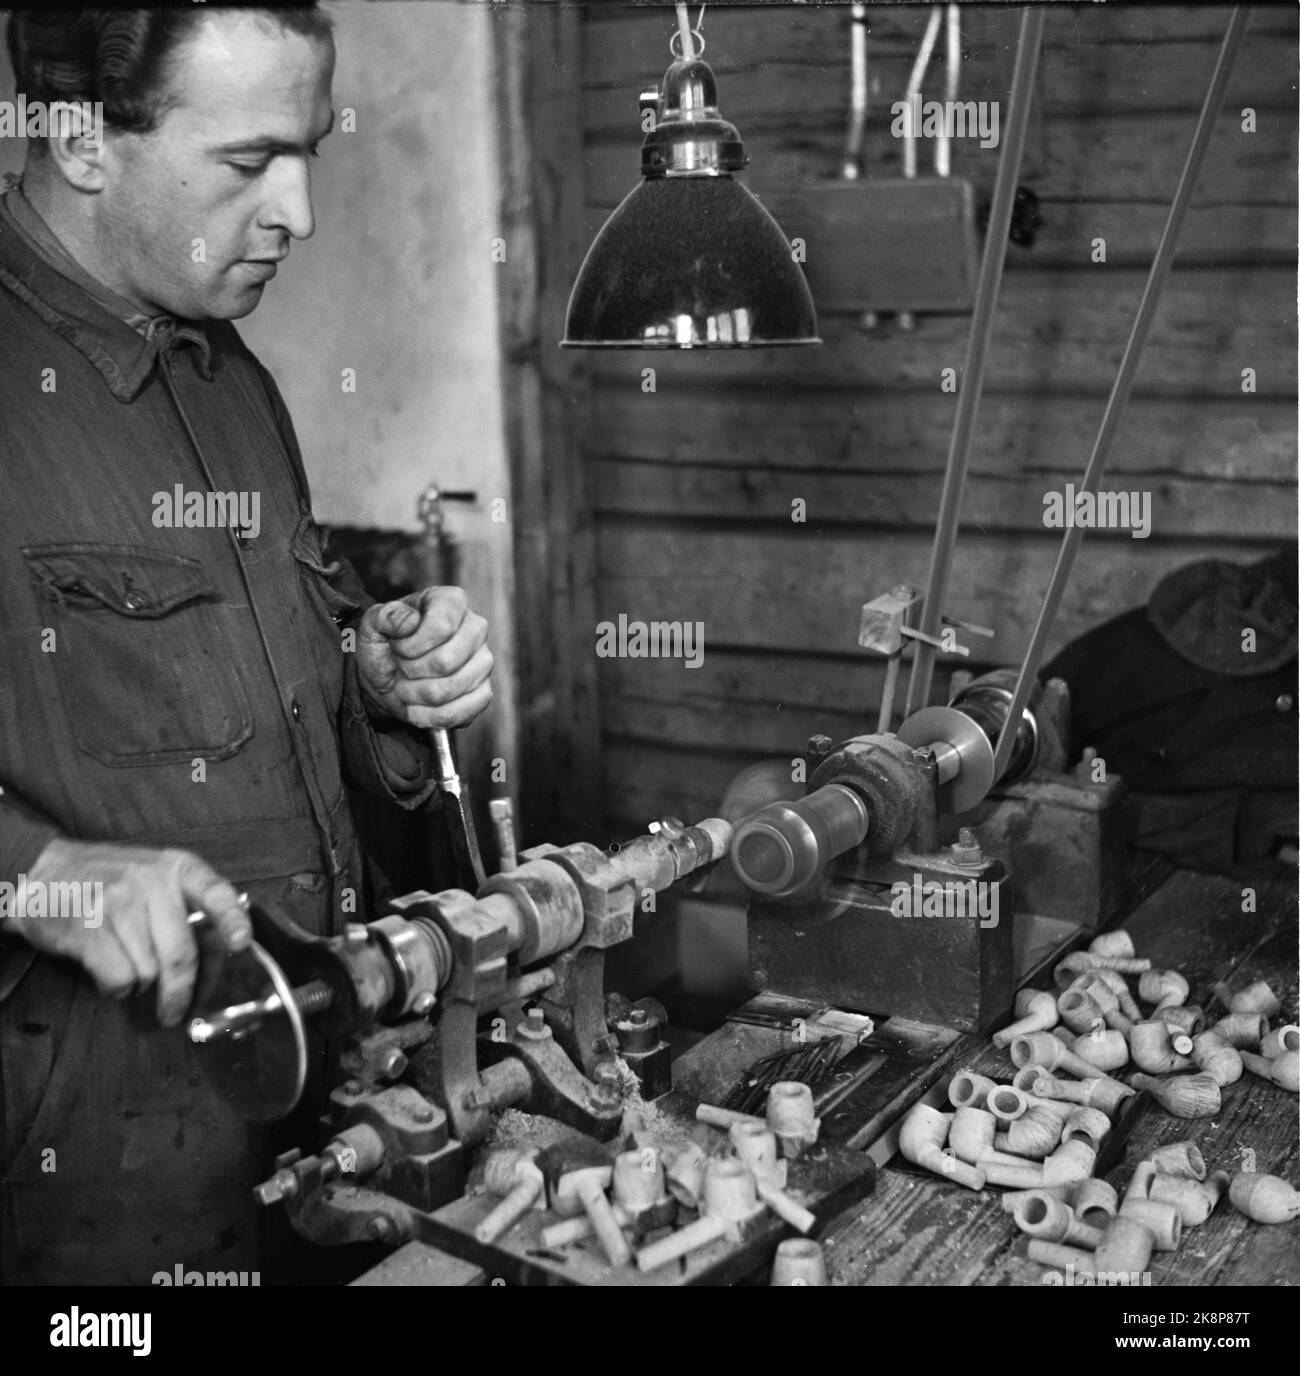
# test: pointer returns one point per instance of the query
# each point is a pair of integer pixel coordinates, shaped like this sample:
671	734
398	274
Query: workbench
916	1229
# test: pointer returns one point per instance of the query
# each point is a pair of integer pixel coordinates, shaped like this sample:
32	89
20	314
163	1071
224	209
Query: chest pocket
141	654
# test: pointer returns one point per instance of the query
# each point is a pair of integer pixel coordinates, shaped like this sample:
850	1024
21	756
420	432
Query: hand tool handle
789	1209
602	1218
511	1209
688	1239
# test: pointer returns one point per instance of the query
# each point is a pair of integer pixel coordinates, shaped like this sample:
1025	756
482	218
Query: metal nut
393	1063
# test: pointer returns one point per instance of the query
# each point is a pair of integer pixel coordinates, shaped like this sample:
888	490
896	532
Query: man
180	706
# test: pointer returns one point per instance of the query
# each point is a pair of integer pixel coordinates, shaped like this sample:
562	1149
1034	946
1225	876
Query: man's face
192	216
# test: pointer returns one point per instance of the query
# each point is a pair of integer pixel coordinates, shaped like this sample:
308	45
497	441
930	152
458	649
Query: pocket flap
136	582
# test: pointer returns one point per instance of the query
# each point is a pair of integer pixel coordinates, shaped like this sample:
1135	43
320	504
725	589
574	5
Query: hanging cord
914	89
1124	378
1030	40
686	35
952	79
858	94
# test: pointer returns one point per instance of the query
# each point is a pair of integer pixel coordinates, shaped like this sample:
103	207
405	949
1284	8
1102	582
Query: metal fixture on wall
690	259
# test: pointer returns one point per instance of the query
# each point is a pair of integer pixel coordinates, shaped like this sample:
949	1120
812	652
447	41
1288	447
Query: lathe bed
915	1229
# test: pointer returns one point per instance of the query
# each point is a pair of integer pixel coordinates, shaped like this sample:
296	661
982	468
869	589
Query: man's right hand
142	934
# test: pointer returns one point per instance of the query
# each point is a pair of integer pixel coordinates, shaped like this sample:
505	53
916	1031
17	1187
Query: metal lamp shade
690	263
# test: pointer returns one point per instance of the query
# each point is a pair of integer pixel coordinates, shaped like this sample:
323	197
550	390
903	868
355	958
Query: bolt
353	1087
356	934
476	1098
393	1063
967	849
423	1004
533	1028
379	1228
607	1091
639	1017
282	1185
313	997
422	1113
819	745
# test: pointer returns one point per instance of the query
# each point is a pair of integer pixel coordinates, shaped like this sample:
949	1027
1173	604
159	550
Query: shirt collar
120	341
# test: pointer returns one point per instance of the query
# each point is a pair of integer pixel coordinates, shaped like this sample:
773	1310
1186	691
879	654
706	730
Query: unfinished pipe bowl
755	1146
1286	1070
1041	1048
968	1090
790	1115
1115	943
1164	988
1151	1046
1080	1012
1006	1104
1097	1092
971	1134
921	1139
1126	1246
1280	1039
1264	1198
1164	1220
1069	1163
728	1189
1219	1060
1254	998
684	1175
1042	1215
1189	1018
638	1180
1104	1048
1178	1158
799	1261
1034	1134
1245	1031
1094	1202
1090	1125
1036	1012
1185	1096
1193	1199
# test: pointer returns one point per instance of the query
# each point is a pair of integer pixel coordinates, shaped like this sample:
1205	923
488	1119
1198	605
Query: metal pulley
962	751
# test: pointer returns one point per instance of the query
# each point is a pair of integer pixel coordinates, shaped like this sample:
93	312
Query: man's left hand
425	660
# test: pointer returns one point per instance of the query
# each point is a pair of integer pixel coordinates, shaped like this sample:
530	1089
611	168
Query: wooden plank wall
692	485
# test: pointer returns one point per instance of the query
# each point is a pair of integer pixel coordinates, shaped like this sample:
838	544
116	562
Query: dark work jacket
182	687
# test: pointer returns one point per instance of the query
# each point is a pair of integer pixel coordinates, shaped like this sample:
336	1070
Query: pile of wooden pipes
722	1188
1181	1061
1040	1134
1085	1230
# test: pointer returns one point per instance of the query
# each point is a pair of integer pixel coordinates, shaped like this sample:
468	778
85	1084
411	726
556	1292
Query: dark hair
119	57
